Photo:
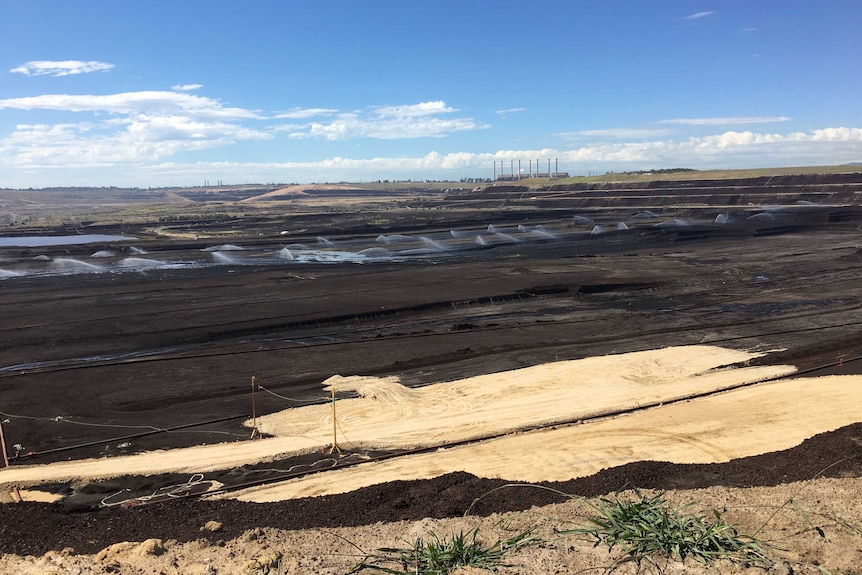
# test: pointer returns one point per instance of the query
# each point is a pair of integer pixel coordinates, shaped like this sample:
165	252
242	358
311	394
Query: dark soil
34	528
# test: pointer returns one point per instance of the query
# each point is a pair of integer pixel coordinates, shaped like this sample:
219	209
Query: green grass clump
438	556
647	528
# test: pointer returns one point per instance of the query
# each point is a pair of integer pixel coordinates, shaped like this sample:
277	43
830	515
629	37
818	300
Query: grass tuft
647	528
437	556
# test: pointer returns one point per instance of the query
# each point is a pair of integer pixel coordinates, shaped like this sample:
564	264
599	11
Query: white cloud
129	103
727	121
414	110
698	15
506	111
123	128
186	87
303	113
616	133
60	68
749	29
143	139
387	123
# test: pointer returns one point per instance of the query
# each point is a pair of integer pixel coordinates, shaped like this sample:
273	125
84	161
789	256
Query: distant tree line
659	171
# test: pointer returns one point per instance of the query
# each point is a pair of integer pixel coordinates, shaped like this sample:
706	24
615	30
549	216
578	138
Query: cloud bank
123	166
137	138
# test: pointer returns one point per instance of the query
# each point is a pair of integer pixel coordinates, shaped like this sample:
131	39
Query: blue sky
157	93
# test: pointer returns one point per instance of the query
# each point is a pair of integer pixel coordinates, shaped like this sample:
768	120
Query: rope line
306	401
62	419
352	445
176	490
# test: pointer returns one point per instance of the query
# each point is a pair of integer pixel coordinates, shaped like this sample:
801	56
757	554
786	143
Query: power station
512	175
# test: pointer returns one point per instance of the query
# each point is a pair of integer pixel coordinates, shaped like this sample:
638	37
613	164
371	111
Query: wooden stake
3	443
334	425
253	410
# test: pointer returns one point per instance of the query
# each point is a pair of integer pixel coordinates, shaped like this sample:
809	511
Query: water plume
222	257
621	227
323	241
377	253
597	229
103	254
481	241
394	238
223	248
644	215
8	274
73	265
676	223
432	244
582	220
722	219
286	254
140	263
507	237
135	251
543	233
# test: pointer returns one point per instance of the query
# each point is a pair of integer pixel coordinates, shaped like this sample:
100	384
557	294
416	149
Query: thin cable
175	490
353	445
62	419
306	401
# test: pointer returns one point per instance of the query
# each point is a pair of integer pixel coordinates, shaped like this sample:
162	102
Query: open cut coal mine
149	343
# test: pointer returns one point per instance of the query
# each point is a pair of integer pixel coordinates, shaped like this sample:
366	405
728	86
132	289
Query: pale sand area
743	422
392	416
389	415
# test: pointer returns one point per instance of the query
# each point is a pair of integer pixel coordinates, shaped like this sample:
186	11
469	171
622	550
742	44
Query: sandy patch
739	423
389	415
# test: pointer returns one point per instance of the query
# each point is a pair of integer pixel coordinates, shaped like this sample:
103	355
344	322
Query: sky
177	93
